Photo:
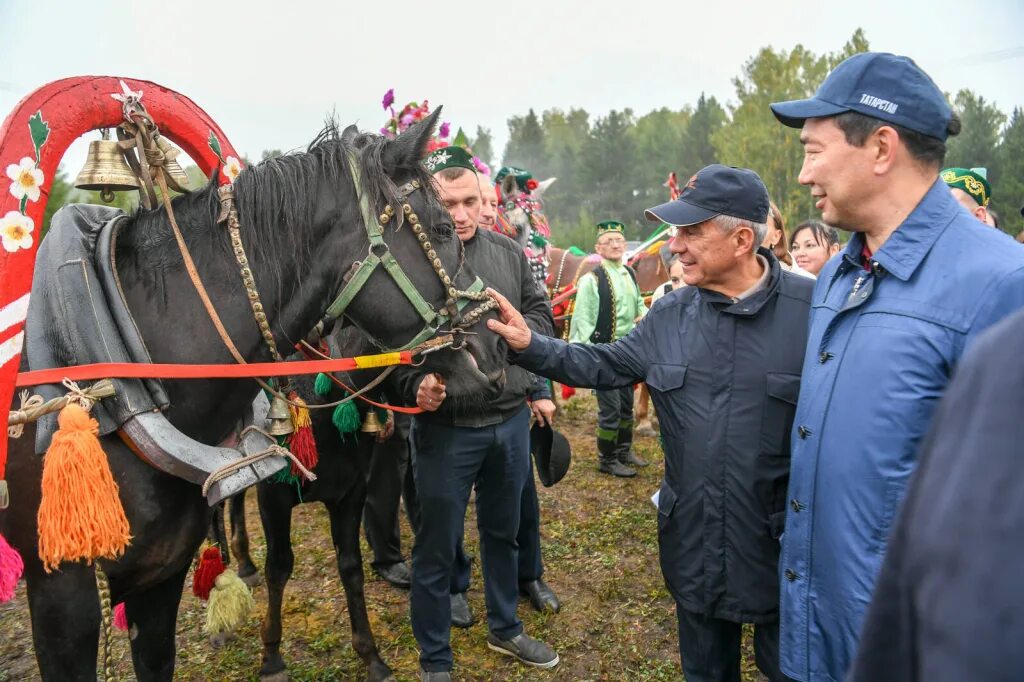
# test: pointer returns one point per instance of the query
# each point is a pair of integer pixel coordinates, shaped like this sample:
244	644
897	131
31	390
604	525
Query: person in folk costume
970	187
608	306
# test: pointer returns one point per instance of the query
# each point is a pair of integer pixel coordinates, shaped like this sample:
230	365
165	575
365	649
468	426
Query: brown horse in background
565	269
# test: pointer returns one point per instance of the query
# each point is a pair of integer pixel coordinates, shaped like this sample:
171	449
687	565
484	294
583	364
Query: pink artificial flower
481	167
389	98
445	128
406	121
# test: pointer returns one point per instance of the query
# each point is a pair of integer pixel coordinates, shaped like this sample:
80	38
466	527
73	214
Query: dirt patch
600	555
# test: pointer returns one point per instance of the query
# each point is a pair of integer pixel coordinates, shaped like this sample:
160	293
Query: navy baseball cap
716	190
879	85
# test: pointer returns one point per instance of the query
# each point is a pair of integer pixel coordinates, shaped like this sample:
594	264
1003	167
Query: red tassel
210	566
11	568
567	392
120	617
301	443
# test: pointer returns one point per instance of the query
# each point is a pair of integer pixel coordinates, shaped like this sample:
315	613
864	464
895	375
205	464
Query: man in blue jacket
891	317
721	358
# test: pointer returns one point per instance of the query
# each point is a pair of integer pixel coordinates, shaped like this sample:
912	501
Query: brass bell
171	166
279	417
106	170
371	424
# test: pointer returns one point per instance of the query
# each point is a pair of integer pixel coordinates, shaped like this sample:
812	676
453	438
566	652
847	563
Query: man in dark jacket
722	359
485	443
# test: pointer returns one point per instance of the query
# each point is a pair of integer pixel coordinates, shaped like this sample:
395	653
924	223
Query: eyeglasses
613	240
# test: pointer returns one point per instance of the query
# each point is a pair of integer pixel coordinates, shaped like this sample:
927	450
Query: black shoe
395	574
525	649
462	615
616	468
441	676
630	458
541	597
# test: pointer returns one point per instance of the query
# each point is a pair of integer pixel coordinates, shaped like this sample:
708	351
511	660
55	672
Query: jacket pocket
664	377
666	503
782	390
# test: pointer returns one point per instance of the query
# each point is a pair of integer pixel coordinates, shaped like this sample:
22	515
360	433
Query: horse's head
430	294
523	211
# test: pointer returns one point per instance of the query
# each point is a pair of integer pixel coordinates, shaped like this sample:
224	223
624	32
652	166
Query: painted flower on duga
232	168
26	179
16	231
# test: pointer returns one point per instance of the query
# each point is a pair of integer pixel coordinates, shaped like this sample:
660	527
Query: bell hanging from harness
371	424
279	418
106	170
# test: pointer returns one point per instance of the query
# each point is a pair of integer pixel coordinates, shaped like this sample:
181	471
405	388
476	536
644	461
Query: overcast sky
269	72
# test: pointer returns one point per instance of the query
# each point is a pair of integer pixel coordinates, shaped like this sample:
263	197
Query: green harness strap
433	320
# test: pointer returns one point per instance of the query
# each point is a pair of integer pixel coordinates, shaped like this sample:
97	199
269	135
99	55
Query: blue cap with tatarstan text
877	84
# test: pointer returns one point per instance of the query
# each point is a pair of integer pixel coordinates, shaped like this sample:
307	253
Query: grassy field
601	557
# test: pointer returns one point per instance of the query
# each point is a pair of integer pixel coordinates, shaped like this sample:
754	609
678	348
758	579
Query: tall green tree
482	145
754	139
60	195
1008	182
698	149
525	147
976	144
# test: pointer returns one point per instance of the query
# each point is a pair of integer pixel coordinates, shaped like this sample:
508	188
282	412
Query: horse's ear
349	134
509	188
542	187
409	148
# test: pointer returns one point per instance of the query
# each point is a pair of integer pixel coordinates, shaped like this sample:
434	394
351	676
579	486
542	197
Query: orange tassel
301	442
80	515
210	566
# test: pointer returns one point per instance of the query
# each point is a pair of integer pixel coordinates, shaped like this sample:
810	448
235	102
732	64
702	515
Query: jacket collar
906	248
751	305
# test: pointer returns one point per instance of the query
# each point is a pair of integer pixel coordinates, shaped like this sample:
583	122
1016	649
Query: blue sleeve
541	389
1006	296
602	366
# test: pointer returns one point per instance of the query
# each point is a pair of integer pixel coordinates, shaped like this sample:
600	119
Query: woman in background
812	244
775	240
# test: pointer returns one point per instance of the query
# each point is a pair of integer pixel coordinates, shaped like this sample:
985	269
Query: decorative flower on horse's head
232	167
26	179
531	184
16	231
389	98
444	130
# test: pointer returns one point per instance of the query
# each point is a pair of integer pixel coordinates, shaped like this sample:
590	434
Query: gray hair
728	223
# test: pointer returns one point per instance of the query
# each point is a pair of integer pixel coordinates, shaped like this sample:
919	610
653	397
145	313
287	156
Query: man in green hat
970	187
458	447
608	305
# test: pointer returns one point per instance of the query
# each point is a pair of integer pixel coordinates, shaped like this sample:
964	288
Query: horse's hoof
253	579
279	676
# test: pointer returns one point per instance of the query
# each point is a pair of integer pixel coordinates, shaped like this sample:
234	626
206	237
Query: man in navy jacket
721	358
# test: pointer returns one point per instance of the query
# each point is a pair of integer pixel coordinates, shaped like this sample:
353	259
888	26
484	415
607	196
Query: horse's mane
277	198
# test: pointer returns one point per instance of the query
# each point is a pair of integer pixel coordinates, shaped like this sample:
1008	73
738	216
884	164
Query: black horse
302	226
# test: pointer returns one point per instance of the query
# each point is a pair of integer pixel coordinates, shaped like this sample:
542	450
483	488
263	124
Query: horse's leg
345	517
152	615
216	533
65	613
247	570
276	503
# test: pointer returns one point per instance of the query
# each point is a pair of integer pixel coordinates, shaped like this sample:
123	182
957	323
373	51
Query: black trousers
710	648
391	475
389	469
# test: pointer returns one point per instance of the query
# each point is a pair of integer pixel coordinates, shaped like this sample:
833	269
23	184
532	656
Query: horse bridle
379	255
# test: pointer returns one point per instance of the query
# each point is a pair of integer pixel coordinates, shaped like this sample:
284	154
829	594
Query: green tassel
576	251
322	385
346	418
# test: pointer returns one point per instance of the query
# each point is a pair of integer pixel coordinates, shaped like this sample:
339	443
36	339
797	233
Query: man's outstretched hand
514	330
